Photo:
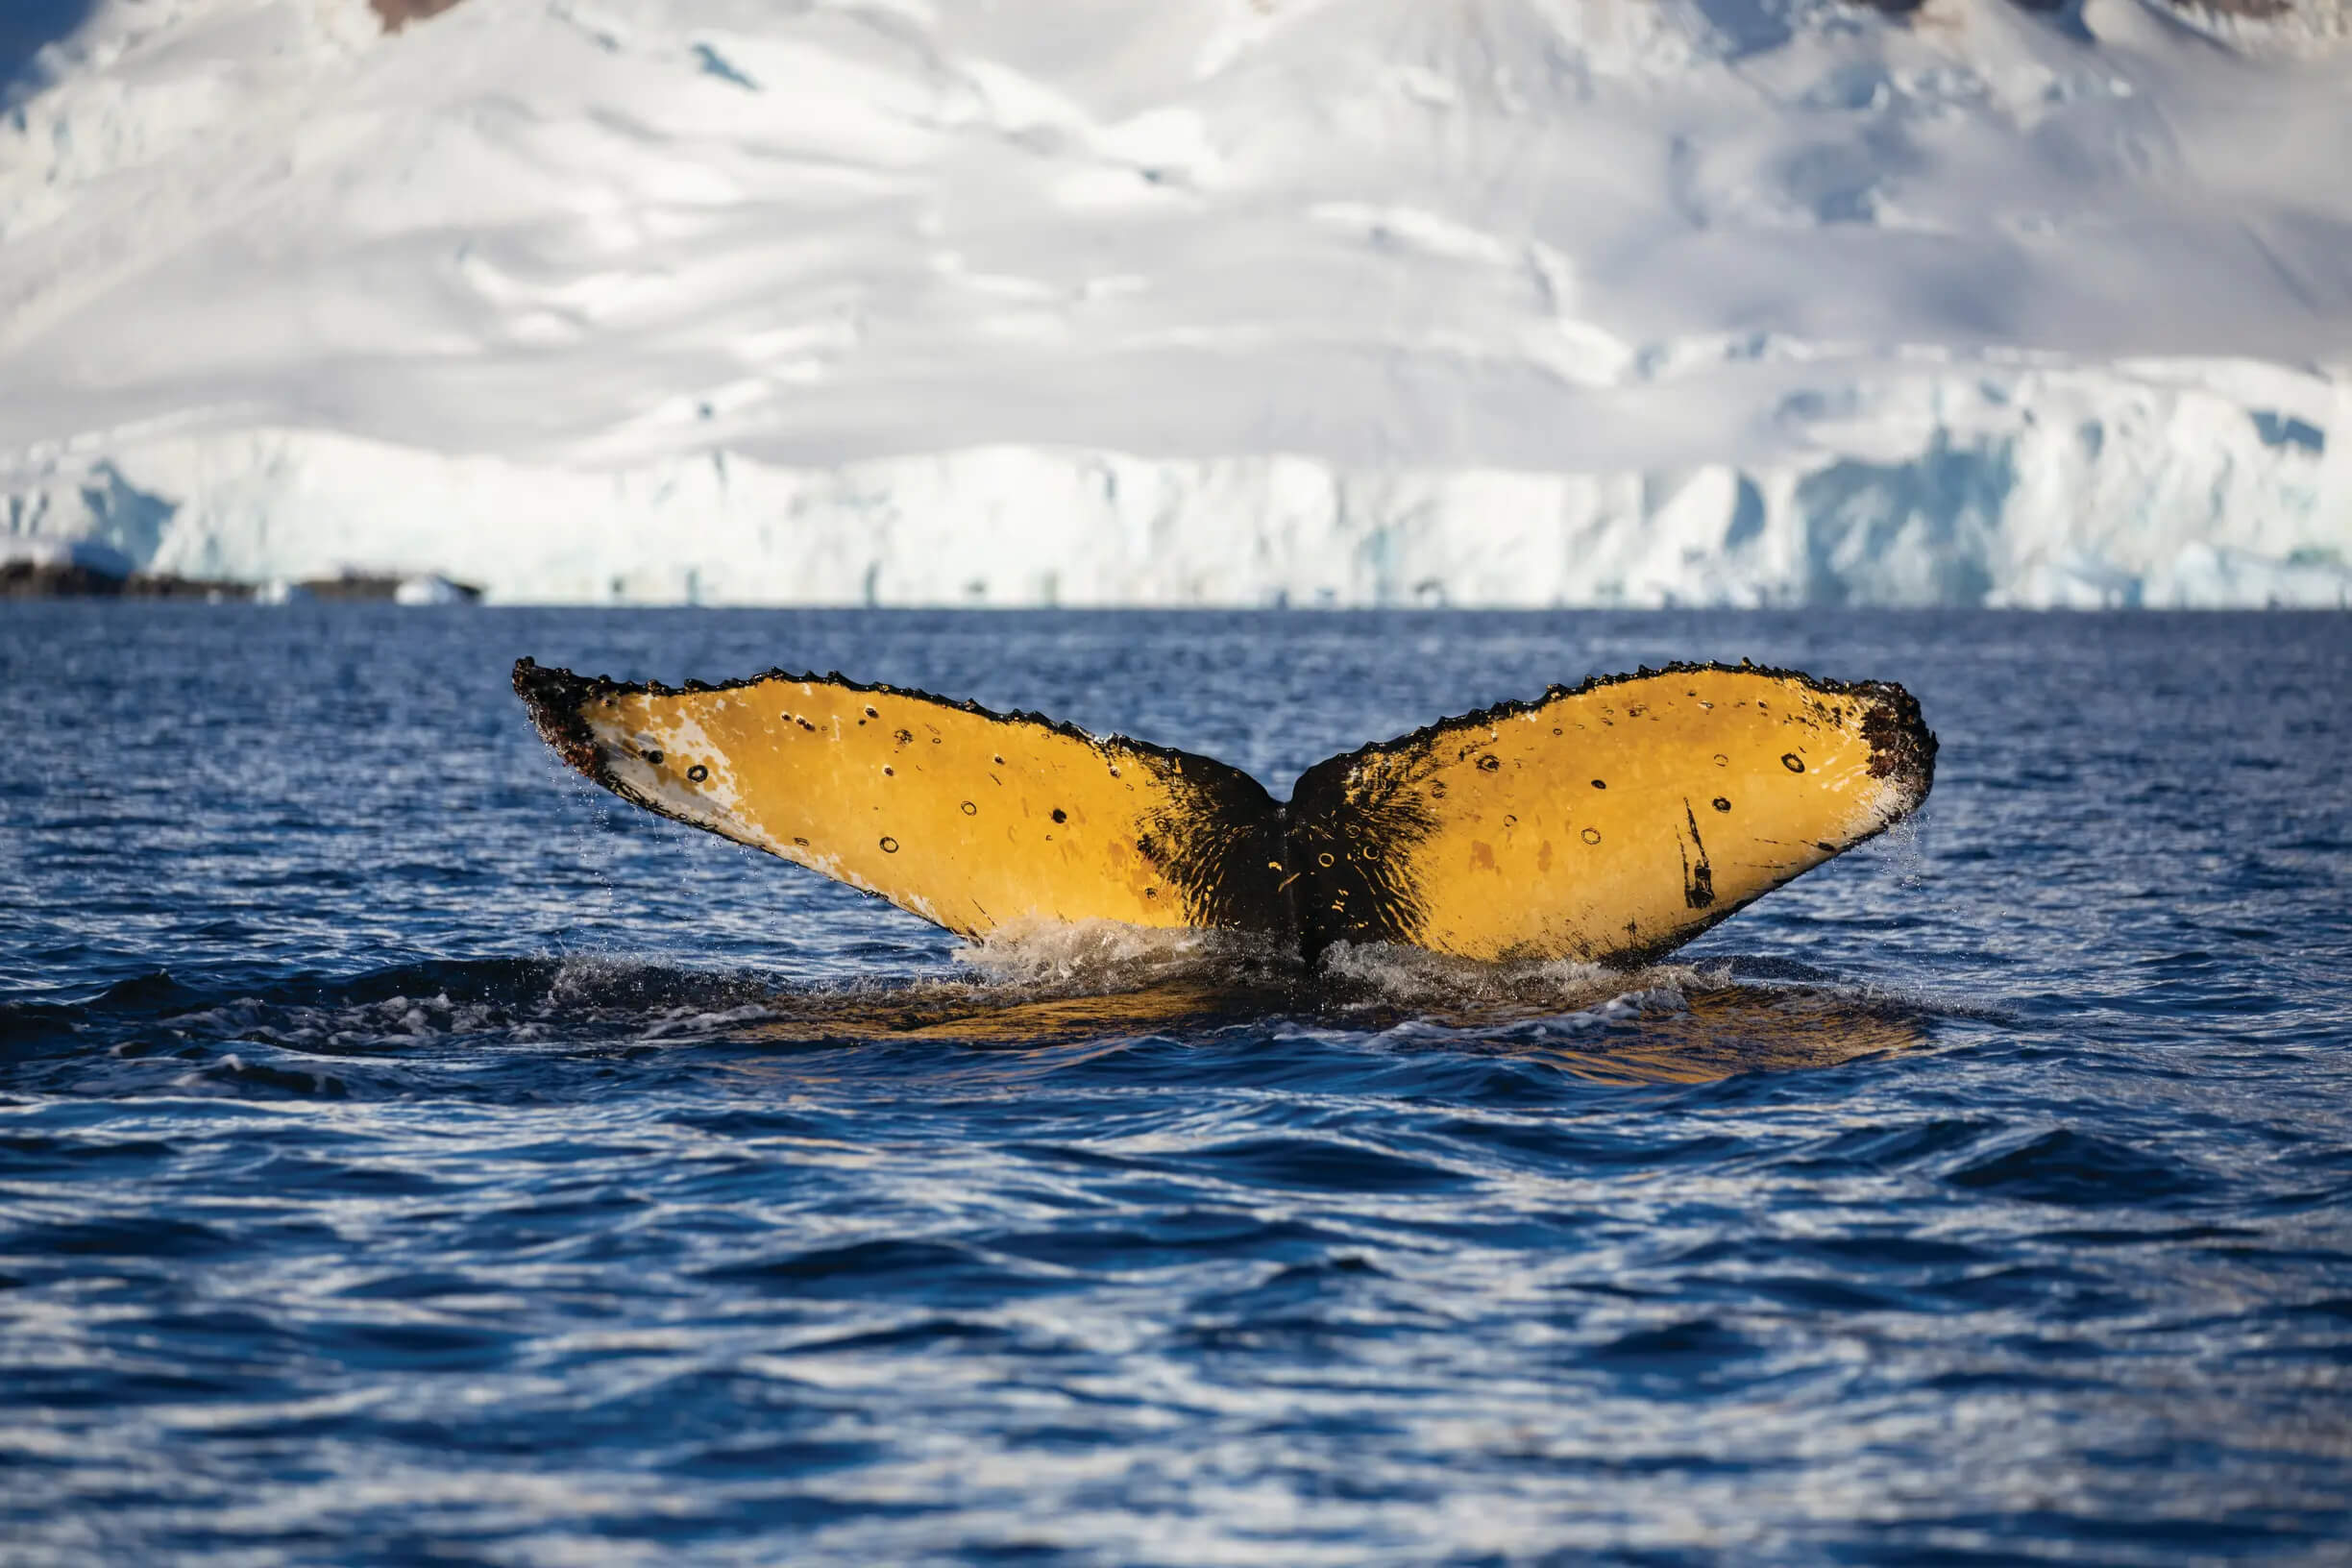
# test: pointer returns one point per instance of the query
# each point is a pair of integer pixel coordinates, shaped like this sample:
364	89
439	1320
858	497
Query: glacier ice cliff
1195	302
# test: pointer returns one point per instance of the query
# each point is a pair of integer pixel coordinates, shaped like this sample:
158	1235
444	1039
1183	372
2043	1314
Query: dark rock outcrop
76	579
399	13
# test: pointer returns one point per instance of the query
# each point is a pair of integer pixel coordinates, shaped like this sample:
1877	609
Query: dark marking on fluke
1697	875
1350	827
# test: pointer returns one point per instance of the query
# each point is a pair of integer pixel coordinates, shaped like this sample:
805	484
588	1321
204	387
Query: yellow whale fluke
1607	824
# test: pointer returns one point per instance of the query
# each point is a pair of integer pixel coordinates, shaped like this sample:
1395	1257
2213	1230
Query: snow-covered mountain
1518	302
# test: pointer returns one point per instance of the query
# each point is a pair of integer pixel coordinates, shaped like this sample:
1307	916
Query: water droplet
1592	835
889	845
1722	803
697	773
1790	759
971	810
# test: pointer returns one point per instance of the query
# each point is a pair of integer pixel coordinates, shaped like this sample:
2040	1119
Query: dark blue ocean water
406	1154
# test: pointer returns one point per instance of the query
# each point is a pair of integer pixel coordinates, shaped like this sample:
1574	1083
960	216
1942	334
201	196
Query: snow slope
1193	301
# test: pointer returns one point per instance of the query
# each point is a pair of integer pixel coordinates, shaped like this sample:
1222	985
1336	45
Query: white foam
1086	958
1409	977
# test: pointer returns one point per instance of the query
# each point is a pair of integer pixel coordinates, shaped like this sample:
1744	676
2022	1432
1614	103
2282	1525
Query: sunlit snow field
406	1154
1193	302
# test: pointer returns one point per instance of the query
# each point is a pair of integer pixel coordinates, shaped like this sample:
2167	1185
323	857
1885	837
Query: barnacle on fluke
1565	828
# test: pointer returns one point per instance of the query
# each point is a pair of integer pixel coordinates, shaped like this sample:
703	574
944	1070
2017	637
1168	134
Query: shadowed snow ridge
1212	301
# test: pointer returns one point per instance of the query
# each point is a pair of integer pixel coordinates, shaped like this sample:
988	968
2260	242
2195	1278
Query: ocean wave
490	1026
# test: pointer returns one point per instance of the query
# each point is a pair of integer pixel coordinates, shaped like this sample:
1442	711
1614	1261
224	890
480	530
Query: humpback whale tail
1609	823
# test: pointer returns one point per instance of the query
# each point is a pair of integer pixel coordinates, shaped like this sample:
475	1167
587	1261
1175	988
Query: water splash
1377	974
1101	957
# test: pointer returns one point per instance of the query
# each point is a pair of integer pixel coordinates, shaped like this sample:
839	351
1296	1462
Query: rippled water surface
408	1154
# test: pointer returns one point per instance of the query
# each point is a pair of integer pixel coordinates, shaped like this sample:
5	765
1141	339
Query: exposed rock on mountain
399	13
